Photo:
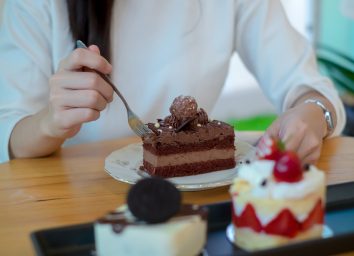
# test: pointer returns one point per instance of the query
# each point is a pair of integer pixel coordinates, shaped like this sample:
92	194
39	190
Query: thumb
95	49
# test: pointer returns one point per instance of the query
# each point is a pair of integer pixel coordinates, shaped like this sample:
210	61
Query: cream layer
249	240
267	209
189	157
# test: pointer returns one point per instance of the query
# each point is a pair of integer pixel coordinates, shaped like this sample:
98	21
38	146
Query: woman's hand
302	129
76	96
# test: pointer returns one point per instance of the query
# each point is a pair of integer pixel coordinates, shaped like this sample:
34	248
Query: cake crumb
141	168
157	125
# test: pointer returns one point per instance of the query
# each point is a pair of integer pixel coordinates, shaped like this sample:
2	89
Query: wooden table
71	187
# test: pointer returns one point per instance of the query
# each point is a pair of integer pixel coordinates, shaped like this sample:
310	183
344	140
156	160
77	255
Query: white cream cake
119	233
269	212
154	222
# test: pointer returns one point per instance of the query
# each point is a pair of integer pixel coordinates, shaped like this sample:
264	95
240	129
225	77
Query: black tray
78	240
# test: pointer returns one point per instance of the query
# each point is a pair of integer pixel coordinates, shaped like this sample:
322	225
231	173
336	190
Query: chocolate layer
190	169
166	149
188	157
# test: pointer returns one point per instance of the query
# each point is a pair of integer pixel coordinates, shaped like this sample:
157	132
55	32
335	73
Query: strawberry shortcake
276	200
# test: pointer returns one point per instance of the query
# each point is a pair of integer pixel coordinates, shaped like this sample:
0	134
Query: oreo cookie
154	200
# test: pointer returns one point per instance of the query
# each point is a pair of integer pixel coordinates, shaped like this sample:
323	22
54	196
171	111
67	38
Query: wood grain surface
72	187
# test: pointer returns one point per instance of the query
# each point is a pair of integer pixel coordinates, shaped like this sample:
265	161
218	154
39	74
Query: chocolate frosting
212	130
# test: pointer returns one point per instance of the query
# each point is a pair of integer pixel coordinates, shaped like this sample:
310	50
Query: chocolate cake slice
187	143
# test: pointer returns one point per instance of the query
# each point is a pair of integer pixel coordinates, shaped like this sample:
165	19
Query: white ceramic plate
123	165
230	232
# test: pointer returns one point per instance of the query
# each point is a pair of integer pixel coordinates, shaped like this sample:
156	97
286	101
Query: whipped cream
260	170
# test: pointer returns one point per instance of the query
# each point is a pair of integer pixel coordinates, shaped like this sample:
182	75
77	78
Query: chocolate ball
184	107
154	200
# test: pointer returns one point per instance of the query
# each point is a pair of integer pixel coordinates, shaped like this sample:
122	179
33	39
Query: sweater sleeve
25	64
282	60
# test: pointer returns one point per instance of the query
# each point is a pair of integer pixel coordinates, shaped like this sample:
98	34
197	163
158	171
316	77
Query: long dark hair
90	21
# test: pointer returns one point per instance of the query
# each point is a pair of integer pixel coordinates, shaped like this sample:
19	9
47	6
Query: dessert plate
124	165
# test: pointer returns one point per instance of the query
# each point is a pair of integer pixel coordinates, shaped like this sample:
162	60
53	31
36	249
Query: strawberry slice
248	218
288	168
316	216
269	148
284	224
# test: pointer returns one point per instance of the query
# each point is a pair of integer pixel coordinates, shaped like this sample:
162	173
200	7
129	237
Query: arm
75	98
285	67
39	109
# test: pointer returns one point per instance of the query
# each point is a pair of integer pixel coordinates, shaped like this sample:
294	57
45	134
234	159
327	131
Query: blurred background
329	26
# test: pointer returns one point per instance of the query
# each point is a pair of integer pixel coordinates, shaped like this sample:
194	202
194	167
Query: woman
158	49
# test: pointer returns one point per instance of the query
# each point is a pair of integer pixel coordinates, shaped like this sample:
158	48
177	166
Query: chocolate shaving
202	116
172	121
118	228
185	123
306	167
153	128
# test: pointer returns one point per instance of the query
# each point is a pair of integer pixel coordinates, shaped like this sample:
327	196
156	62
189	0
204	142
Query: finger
80	99
81	81
273	129
308	146
95	49
313	157
72	117
292	138
80	58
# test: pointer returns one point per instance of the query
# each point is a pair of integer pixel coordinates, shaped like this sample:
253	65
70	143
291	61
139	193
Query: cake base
189	169
250	240
119	233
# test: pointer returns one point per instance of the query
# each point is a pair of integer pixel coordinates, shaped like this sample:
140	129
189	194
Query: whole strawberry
288	168
269	148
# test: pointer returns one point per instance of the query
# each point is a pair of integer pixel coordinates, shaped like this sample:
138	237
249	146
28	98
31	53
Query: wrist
46	127
326	114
